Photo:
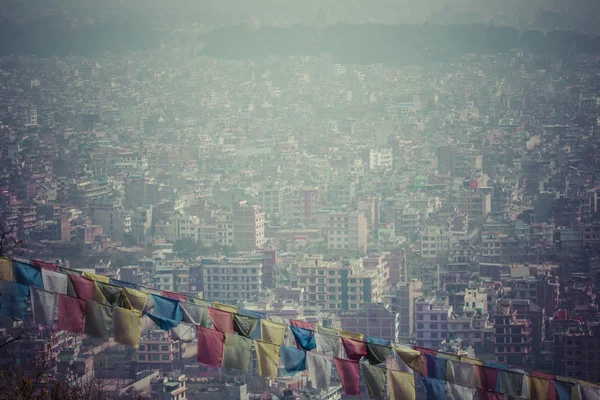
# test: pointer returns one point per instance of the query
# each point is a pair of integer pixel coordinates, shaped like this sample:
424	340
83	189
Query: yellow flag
352	335
538	388
134	299
470	360
412	358
6	271
225	307
128	326
267	357
401	385
272	332
96	277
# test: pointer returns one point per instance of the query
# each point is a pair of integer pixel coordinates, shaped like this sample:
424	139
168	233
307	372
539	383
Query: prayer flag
305	338
436	388
96	277
293	359
195	314
459	372
6	271
375	380
319	368
184	332
71	311
485	377
349	372
98	319
14	300
167	308
538	388
237	352
272	332
44	304
163	323
210	347
327	331
85	289
244	326
222	320
413	358
27	274
54	281
510	383
123	284
302	324
563	390
401	385
128	326
455	391
436	367
483	394
375	340
267	356
377	354
259	316
327	344
108	294
351	335
134	299
44	265
173	295
225	307
355	350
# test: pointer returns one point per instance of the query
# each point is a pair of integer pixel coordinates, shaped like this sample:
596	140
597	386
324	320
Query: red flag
45	265
222	320
349	372
483	394
424	350
210	347
302	324
84	288
173	295
488	377
355	349
71	313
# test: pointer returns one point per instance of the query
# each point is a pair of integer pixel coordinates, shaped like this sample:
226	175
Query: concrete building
248	227
381	159
373	320
512	337
271	200
347	231
158	351
169	387
431	322
232	280
435	241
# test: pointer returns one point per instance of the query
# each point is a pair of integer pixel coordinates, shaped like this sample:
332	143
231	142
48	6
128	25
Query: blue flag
28	275
436	367
376	340
14	300
293	359
163	323
436	388
167	308
305	338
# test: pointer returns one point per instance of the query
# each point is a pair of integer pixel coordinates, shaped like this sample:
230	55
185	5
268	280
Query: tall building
332	286
373	320
248	227
512	336
431	322
231	280
381	159
347	231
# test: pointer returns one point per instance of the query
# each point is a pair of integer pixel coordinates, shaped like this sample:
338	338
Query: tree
8	238
186	248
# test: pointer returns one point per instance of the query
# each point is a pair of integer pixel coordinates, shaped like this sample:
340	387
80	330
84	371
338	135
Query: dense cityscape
448	204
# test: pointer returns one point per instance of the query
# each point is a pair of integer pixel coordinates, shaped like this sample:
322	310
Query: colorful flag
71	314
44	265
436	388
184	332
222	320
134	299
377	354
128	326
272	332
54	281
173	295
510	383
210	347
305	338
98	319
200	302
6	271
327	344
455	391
195	314
563	390
302	324
588	392
163	323
123	284
485	377
85	289
44	305
375	340
237	352
14	300
167	308
293	359
349	372
355	349
254	314
375	380
351	335
483	394
538	388
267	356
413	358
327	331
27	274
96	277
225	307
436	367
401	385
108	294
319	368
244	326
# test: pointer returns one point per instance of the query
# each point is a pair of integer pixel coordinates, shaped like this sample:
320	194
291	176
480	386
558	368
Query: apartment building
373	320
332	286
381	159
347	231
512	336
431	322
435	241
168	387
271	200
229	280
157	351
248	227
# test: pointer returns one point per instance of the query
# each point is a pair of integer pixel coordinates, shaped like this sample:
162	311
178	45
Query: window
154	357
433	317
142	347
419	317
434	326
142	357
419	326
434	335
164	348
165	357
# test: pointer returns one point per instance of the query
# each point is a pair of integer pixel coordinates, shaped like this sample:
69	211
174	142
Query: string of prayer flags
436	367
563	390
6	271
85	289
163	323
352	335
455	391
54	281
71	314
355	349
293	359
98	319
327	331
435	388
349	372
96	277
167	308
200	302
44	305
459	372
589	392
401	385
305	338
254	314
184	332
413	358
485	377
267	357
123	284
272	332
328	345
128	326
14	300
222	320
173	295
377	354
243	325
237	352
44	265
27	274
134	299
375	340
375	380
225	307
319	369
210	347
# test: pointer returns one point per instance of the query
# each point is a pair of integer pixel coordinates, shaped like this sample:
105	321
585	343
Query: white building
347	231
381	159
232	280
